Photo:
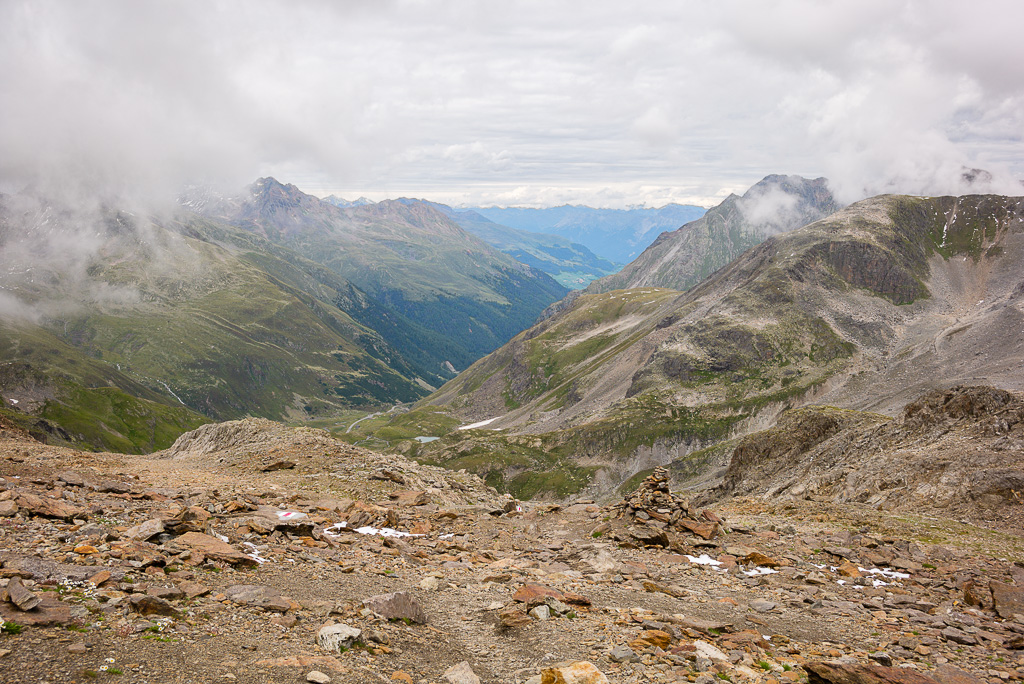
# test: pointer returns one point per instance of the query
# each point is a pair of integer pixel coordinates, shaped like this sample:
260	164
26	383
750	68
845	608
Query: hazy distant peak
344	203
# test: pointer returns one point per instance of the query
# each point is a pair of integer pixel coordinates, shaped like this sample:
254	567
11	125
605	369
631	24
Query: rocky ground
225	559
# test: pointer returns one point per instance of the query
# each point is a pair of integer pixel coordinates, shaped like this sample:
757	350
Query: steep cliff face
682	258
865	309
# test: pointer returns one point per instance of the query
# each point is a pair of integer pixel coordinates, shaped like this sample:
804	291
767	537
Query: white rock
429	583
318	677
332	638
710	651
460	674
541	612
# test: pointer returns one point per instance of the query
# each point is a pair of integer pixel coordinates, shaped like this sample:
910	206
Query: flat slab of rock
46	507
649	536
49	612
277	465
1007	599
214	548
947	674
8	509
702	530
535	593
40	569
396	606
145	531
21	597
857	673
257	596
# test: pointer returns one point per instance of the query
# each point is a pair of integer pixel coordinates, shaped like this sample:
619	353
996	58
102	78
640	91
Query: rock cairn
652	501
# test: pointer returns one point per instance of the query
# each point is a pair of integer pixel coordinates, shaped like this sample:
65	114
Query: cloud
472	101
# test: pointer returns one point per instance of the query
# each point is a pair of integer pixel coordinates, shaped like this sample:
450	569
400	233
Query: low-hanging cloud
471	102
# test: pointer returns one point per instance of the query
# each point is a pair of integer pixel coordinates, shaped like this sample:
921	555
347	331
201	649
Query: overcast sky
512	103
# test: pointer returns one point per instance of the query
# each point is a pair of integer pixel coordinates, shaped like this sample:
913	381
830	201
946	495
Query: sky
518	103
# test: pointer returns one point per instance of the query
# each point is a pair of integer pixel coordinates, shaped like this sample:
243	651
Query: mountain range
617	235
866	308
119	331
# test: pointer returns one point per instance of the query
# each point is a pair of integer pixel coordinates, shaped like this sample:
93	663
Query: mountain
125	331
569	263
865	309
617	235
339	202
446	296
684	257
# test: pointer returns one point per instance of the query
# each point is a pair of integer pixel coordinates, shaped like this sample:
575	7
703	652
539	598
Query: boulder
533	594
20	596
461	673
332	638
151	605
214	548
48	612
649	536
145	531
396	606
1007	600
580	672
47	507
858	673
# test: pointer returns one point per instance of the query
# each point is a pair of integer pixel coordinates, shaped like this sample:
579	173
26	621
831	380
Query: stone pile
652	502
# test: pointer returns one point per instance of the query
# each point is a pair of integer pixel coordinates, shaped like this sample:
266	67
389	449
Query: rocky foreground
251	552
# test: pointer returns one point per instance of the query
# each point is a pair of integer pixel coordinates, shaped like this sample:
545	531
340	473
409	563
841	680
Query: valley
779	446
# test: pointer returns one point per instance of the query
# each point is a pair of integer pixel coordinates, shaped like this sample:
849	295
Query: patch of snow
482	423
703	559
385	532
427	440
891	574
759	570
254	553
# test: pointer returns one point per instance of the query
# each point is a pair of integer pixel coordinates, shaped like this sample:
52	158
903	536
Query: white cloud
586	102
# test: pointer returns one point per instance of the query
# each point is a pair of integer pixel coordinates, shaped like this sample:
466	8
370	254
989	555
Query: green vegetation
107	418
10	627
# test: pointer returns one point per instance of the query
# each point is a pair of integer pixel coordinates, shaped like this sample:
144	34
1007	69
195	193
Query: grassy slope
748	337
221	320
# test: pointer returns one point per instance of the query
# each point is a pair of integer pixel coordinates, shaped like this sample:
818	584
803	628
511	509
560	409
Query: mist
527	104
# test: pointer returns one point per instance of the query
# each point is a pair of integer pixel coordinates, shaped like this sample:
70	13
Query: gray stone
396	606
318	677
461	673
1007	600
151	605
623	654
332	638
20	596
113	487
762	606
955	635
541	612
146	530
649	536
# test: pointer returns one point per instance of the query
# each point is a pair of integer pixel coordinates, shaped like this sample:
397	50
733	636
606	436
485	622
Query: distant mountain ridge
168	322
452	297
684	257
618	235
571	264
867	309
